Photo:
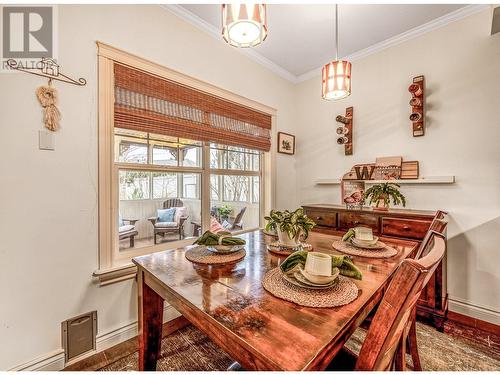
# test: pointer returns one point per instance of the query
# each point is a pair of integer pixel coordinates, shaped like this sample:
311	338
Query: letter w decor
364	172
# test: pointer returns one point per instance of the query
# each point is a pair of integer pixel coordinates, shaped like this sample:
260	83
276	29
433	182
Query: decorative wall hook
47	68
345	131
417	103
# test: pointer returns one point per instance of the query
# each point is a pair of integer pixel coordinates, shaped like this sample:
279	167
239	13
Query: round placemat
342	293
200	254
347	248
276	248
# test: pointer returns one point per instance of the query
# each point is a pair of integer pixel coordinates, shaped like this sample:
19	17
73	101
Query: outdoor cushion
166	224
180	212
125	228
166	215
215	226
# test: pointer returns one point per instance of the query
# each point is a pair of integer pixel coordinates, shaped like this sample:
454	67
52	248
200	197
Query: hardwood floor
460	348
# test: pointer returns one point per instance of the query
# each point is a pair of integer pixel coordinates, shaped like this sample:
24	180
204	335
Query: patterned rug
188	349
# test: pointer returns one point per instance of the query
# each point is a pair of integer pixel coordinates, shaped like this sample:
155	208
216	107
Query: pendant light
336	75
244	25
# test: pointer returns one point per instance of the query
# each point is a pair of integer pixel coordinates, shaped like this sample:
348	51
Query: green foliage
224	211
292	223
137	193
385	192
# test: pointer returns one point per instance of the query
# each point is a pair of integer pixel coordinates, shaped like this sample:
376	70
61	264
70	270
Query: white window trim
115	265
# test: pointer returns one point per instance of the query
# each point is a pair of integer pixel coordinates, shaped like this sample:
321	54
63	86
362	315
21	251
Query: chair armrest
153	220
182	219
131	221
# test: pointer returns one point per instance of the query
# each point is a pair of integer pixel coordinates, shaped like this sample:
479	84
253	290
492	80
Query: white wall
48	200
461	64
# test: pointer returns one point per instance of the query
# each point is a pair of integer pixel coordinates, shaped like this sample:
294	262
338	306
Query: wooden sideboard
401	223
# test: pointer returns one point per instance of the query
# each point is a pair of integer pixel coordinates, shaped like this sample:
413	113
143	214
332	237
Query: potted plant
224	211
289	225
381	195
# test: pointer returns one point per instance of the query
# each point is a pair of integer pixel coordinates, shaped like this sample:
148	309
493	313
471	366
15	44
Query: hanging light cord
336	33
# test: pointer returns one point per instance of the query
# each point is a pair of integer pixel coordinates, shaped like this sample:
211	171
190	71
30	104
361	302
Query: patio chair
237	223
126	229
175	226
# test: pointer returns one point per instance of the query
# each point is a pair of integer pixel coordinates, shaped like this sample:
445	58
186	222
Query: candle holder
345	131
417	103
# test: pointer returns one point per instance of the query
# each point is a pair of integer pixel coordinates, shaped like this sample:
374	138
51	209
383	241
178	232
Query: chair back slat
439	225
391	319
238	217
173	202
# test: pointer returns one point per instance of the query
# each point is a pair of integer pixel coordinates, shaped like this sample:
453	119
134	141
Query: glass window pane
191	185
164	185
215	188
236	160
254	162
256	189
131	151
218	158
190	156
135	229
236	188
235	212
134	185
165	154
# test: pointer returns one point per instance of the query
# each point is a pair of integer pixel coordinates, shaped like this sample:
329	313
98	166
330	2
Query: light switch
46	140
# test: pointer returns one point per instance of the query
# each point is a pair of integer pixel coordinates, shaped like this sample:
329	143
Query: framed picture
352	193
286	143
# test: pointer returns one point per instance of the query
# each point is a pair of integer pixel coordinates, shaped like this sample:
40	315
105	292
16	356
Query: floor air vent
78	335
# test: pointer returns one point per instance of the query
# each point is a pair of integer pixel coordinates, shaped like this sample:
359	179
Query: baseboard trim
474	315
54	361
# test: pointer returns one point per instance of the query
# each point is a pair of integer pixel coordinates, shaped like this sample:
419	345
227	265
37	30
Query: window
234	184
189	145
143	193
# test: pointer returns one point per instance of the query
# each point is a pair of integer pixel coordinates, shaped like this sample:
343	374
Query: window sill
114	275
129	270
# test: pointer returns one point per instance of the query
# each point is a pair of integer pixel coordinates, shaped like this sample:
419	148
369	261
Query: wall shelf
424	180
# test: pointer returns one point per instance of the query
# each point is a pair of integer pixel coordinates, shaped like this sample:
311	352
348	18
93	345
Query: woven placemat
343	292
200	254
347	248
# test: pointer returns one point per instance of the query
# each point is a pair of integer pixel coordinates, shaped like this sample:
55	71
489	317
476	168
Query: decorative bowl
225	249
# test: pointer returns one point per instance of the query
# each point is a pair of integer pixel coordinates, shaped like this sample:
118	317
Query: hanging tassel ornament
47	96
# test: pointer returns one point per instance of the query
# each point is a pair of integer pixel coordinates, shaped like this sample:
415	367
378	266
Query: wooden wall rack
345	132
417	103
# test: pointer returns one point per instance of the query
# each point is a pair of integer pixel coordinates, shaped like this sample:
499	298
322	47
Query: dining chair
438	226
384	347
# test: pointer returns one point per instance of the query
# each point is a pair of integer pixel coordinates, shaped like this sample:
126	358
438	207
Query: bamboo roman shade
149	103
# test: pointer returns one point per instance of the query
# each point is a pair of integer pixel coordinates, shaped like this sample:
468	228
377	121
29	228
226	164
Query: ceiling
301	37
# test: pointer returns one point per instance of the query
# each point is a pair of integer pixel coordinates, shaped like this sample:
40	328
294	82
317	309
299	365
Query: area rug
188	349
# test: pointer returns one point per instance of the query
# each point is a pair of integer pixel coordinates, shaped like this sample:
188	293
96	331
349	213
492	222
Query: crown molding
210	29
403	37
282	72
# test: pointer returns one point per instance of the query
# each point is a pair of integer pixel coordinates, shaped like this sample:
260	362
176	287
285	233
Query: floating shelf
426	180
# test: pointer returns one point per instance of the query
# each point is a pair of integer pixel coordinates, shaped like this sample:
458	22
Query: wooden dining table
258	330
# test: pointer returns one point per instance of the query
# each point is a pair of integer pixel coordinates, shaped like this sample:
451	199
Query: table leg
150	324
